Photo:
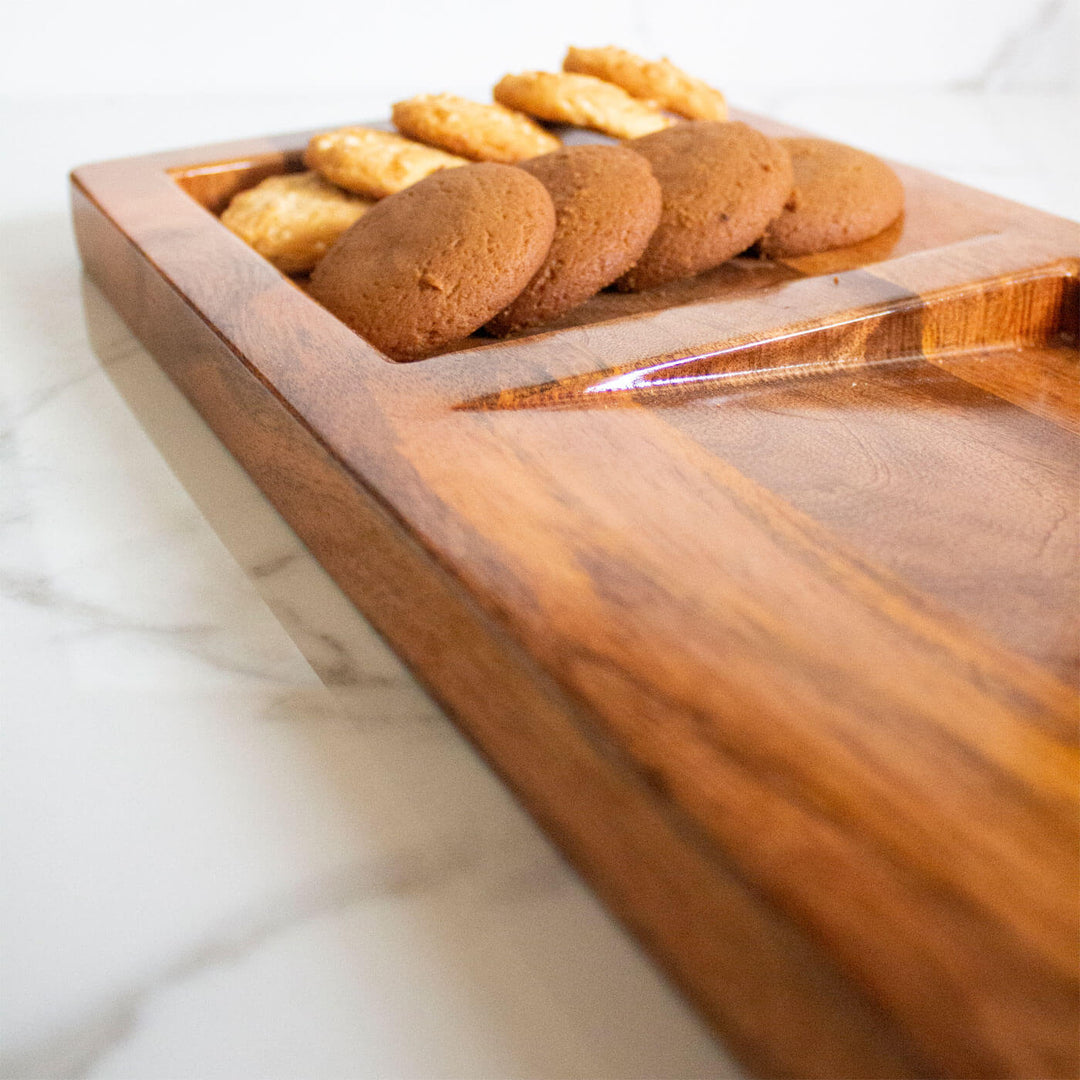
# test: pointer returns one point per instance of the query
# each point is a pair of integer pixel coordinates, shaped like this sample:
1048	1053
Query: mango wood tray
760	590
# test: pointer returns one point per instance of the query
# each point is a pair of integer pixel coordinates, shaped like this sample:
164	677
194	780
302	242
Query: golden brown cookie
435	262
482	132
581	100
607	203
842	196
373	163
658	81
722	183
292	220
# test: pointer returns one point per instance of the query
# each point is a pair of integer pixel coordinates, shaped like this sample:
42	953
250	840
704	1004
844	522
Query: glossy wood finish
761	591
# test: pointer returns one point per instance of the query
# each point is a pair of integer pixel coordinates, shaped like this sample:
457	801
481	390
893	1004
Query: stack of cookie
475	215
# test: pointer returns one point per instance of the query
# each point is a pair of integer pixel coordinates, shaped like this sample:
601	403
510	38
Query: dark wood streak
759	590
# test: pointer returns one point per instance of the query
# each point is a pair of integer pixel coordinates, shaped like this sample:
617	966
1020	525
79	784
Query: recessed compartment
922	227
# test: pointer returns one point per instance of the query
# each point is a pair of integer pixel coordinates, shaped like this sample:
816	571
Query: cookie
481	132
658	81
374	163
842	196
722	184
435	262
292	220
607	204
581	100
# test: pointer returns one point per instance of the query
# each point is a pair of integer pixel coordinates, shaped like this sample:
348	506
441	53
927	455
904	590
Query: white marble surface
237	840
122	46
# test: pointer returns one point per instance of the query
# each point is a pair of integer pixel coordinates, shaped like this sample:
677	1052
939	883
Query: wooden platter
760	590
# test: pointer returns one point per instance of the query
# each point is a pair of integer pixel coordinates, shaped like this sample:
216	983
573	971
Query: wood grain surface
759	589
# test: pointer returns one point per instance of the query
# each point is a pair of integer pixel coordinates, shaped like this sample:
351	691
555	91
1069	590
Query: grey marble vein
204	641
273	565
331	658
38	399
77	1051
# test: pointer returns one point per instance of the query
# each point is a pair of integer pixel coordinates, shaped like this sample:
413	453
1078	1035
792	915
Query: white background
983	91
130	46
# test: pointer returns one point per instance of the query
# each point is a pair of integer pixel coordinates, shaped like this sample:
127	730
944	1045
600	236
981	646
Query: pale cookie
581	100
435	262
842	196
481	132
374	163
292	220
658	81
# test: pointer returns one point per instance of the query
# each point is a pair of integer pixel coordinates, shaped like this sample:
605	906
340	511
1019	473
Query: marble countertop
237	839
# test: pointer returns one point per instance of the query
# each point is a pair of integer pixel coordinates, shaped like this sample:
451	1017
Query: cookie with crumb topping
372	162
582	100
436	261
472	129
658	81
292	220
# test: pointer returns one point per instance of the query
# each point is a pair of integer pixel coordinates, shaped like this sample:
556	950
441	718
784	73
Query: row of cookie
513	247
608	90
292	220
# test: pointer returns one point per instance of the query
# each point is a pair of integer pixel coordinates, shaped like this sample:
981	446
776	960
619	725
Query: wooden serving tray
760	590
